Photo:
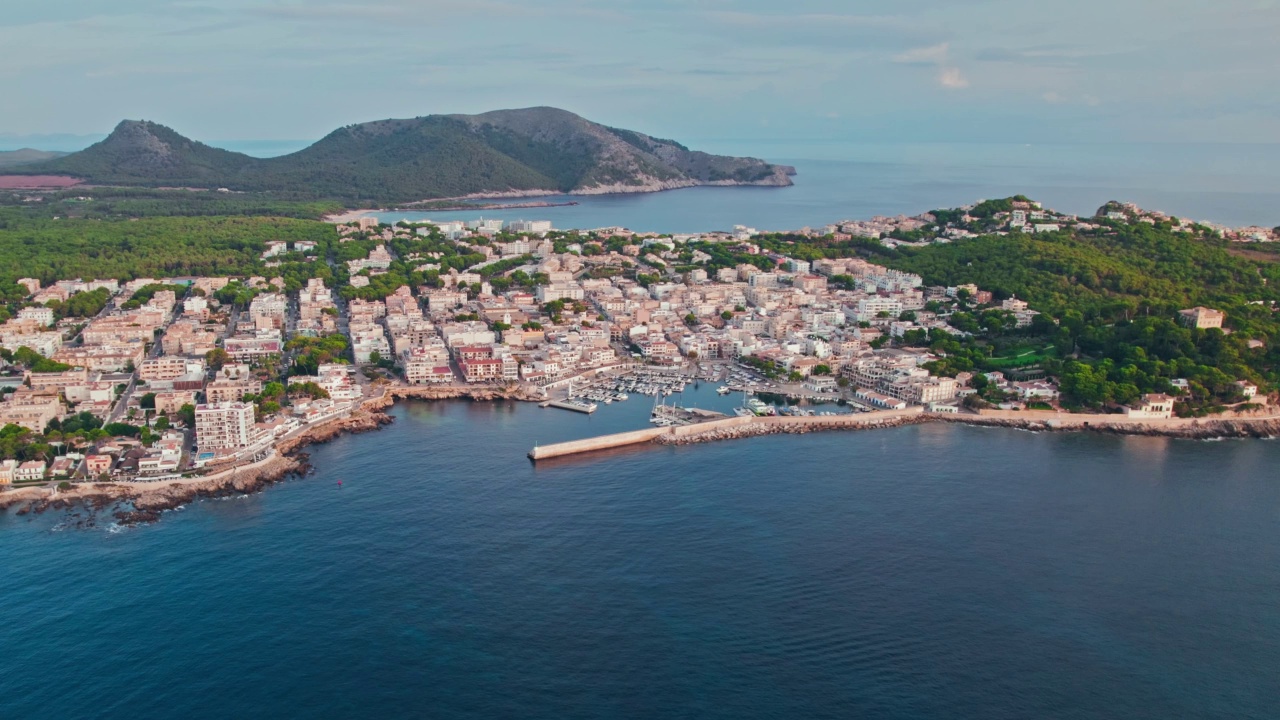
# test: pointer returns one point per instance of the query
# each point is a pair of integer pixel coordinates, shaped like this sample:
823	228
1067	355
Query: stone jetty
730	428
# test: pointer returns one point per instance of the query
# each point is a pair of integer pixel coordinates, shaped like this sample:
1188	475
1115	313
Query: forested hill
438	156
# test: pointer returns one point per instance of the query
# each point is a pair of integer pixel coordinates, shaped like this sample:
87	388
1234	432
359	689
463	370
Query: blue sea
1234	185
921	572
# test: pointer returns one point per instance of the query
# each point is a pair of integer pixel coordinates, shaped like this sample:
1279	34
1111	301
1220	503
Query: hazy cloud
949	76
675	68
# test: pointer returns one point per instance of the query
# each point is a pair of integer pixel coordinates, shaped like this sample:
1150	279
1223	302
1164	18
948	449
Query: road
122	403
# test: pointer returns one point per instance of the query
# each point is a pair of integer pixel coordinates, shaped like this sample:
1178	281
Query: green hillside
439	156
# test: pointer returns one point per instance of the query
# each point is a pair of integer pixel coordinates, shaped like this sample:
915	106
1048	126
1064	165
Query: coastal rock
1200	429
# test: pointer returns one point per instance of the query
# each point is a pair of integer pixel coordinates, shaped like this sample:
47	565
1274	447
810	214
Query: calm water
1231	184
924	572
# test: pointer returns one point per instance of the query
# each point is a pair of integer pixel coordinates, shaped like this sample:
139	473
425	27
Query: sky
721	71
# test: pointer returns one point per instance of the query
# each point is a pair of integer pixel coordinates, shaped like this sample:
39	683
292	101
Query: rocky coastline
134	503
137	503
1197	429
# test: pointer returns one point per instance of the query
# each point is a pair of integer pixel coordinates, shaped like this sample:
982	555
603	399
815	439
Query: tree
148	401
162	423
118	429
217	358
691	320
726	315
188	415
822	370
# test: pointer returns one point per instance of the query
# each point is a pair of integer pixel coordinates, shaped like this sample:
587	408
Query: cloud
949	76
1050	55
932	55
1053	97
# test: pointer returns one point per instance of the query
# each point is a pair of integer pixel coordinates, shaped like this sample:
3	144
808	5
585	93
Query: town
180	376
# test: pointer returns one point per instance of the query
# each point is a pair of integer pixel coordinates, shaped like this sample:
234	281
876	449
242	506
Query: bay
921	572
1230	184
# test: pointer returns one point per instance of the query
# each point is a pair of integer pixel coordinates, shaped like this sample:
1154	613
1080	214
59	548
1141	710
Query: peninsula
232	342
506	153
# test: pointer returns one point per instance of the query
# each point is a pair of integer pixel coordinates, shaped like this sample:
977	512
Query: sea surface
1234	185
921	572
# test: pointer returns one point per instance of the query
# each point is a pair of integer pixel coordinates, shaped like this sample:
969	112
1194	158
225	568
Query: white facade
223	426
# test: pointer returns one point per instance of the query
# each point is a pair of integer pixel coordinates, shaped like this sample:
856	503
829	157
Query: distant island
506	153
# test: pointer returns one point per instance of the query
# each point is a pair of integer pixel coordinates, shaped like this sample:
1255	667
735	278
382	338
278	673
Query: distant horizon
74	142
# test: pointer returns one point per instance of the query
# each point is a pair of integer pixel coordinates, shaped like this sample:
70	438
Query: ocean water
1231	184
920	572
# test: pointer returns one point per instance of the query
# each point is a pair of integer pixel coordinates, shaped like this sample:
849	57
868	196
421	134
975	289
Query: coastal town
181	377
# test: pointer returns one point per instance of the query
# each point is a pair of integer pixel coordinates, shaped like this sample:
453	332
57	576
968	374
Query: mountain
26	156
529	151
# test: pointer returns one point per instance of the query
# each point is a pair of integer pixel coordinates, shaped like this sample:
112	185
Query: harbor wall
726	428
603	442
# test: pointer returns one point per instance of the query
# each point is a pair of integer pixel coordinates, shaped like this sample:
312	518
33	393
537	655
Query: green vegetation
111	203
33	361
146	292
308	389
81	305
1110	300
311	353
49	249
401	160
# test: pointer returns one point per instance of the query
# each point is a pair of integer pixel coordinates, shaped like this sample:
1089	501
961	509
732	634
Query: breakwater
1258	426
1186	428
729	428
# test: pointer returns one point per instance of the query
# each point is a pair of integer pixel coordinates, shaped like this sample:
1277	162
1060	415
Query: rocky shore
136	503
1191	429
759	429
143	502
455	392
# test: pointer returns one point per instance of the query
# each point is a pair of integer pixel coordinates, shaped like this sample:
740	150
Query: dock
581	407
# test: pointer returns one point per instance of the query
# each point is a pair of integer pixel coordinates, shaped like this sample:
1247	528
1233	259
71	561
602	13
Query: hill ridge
540	149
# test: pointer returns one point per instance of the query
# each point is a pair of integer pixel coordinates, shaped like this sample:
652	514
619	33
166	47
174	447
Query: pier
574	405
726	429
603	442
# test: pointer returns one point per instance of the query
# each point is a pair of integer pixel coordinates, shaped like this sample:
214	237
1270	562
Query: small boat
723	390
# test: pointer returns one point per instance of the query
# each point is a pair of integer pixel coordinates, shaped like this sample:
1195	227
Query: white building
223	426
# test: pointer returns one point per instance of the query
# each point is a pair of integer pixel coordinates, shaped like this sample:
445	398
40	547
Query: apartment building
224	426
